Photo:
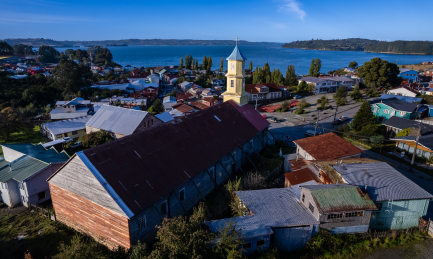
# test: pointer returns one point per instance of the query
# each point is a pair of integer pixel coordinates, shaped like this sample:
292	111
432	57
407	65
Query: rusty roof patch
301	176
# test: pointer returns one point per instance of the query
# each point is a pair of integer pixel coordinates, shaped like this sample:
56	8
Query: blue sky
252	20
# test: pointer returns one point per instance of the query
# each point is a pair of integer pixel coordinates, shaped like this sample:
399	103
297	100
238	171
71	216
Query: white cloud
292	6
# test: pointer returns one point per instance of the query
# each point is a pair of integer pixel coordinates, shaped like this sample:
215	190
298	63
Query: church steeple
236	77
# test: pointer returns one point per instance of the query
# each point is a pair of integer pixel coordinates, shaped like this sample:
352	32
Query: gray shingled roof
271	208
401	123
116	119
383	182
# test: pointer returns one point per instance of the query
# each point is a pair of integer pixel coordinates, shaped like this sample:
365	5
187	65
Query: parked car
67	139
77	144
340	120
297	97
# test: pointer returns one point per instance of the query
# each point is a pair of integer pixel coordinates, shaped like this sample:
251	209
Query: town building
403	91
325	146
403	98
424	147
395	107
120	122
263	91
236	78
396	124
410	75
77	107
328	84
24	171
73	128
185	86
133	183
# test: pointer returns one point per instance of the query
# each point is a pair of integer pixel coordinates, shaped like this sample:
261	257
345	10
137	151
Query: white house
403	91
328	84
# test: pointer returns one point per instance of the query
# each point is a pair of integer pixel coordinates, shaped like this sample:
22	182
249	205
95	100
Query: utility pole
335	116
317	122
256	102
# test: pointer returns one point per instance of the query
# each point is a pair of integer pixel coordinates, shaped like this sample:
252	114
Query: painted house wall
402	92
10	193
379	110
411	75
200	186
10	154
79	133
289	239
409	146
399	214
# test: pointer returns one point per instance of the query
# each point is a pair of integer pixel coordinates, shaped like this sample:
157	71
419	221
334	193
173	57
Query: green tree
353	64
312	68
96	138
364	116
209	64
291	78
5	48
356	94
186	62
196	64
380	72
403	133
100	55
204	64
23	49
11	120
81	56
157	107
222	65
181	64
317	67
48	54
302	87
71	77
341	92
251	66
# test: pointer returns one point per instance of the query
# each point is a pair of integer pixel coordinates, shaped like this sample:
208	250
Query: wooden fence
42	211
430	228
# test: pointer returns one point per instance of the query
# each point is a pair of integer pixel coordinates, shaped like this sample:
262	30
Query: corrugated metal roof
236	55
339	197
425	141
155	161
383	182
327	146
165	116
39	152
252	116
117	119
65	126
401	123
271	208
301	176
22	168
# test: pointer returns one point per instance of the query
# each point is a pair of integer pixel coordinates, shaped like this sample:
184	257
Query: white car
77	144
67	139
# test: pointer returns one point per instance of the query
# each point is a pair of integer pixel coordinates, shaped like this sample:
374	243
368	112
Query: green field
21	137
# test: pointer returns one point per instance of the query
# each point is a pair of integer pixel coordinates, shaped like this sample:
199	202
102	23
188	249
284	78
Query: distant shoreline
391	53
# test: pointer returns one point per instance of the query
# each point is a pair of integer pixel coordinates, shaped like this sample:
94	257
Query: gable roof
405	88
408	99
64	126
401	123
236	55
271	208
22	168
404	70
383	182
116	119
39	152
327	146
425	141
339	198
400	105
156	161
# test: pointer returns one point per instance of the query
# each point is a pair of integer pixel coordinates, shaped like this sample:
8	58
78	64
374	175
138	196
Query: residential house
199	105
273	217
410	75
35	70
24	171
169	99
424	147
396	124
153	79
300	176
210	101
185	85
164	117
149	93
182	97
263	91
349	70
73	128
118	209
169	79
75	108
328	84
400	202
326	146
340	208
120	122
395	107
403	98
403	91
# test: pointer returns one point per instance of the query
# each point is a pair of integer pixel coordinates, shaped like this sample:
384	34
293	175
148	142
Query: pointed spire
236	54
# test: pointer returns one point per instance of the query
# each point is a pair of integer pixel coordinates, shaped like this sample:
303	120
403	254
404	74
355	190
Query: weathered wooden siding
199	186
103	225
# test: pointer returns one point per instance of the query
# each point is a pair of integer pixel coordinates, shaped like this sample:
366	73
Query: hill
41	41
357	44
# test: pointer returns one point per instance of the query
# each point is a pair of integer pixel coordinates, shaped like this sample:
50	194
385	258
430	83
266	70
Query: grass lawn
21	137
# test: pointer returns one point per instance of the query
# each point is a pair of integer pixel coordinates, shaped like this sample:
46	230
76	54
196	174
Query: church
120	191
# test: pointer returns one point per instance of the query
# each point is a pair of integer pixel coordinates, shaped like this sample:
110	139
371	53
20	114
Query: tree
5	48
312	67
23	49
380	72
96	138
71	77
364	116
222	65
196	64
204	64
353	64
209	64
157	107
403	133
356	94
317	67
181	64
341	92
48	54
99	55
291	78
10	121
302	87
186	62
251	66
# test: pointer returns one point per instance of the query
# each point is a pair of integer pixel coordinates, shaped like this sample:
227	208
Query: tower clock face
233	66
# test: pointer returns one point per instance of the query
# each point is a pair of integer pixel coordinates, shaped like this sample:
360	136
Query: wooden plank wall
105	226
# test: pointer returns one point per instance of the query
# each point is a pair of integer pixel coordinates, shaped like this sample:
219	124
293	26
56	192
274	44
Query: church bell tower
236	78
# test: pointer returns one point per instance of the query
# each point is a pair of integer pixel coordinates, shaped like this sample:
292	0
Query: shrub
369	130
300	111
403	133
95	138
341	101
253	181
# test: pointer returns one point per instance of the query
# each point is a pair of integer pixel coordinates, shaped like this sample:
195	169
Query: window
335	216
232	83
164	208
375	110
141	223
182	194
42	195
59	136
74	133
311	207
402	113
261	242
303	197
386	111
354	214
246	245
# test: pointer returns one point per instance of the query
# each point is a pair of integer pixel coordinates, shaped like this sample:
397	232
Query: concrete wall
200	186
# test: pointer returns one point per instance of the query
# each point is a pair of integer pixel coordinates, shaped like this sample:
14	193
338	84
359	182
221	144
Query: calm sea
278	58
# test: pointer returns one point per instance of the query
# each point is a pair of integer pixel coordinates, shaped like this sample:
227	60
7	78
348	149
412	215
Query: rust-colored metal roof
301	176
199	105
184	108
298	164
148	165
251	115
327	146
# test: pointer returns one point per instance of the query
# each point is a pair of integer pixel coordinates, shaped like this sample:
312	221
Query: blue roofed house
410	75
395	107
400	202
24	171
